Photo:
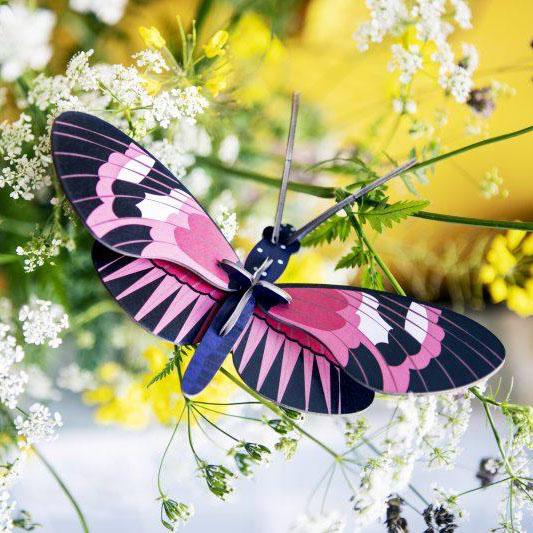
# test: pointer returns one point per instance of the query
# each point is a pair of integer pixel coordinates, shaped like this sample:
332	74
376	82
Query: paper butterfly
319	348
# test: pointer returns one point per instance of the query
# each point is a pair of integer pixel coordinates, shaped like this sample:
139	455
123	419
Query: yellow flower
108	371
215	45
498	290
216	84
151	86
487	274
124	398
151	37
509	271
527	245
519	301
514	238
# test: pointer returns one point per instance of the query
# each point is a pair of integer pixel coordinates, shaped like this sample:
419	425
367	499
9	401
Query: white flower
12	383
6	512
40	386
227	222
24	39
228	151
470	59
458	83
402	106
42	322
407	61
108	11
462	14
385	16
324	523
40	425
75	379
198	182
11	472
151	60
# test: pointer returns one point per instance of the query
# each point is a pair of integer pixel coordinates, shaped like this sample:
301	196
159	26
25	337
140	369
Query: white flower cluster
108	11
75	379
100	89
6	512
40	425
324	523
151	61
42	322
12	382
24	39
425	428
433	21
22	173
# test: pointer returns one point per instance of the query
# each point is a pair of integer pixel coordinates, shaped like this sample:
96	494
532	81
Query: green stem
99	308
64	488
483	488
280	413
497	437
329	192
167	447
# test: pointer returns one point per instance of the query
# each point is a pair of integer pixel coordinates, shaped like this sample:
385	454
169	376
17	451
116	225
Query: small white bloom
198	182
40	425
6	512
324	523
75	379
108	11
407	61
12	382
401	106
40	386
11	472
42	322
151	60
228	151
24	39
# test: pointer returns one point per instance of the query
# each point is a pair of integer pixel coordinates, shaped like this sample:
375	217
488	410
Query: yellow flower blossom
216	84
124	398
151	37
215	45
508	272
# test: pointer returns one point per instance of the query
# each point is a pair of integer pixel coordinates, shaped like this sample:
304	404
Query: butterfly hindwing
391	343
130	202
289	368
167	300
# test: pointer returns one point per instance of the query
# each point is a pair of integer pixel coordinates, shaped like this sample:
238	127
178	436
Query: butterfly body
319	348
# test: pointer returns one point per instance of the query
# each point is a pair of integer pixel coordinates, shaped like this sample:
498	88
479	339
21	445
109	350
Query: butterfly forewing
130	202
390	343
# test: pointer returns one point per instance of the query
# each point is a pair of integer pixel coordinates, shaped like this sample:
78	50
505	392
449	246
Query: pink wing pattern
166	299
291	368
391	343
130	202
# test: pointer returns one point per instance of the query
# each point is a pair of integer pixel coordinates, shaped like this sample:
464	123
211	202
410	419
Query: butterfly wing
391	343
168	300
130	202
291	368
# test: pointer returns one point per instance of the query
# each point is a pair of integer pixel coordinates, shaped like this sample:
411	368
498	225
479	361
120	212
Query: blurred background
115	431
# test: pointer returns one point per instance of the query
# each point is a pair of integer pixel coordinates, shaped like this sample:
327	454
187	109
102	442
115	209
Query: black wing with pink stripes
166	299
292	369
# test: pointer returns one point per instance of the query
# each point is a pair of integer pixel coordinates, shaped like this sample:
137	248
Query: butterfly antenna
286	168
310	226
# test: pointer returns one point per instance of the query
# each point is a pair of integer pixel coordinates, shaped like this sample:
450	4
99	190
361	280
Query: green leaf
387	215
173	363
355	258
334	228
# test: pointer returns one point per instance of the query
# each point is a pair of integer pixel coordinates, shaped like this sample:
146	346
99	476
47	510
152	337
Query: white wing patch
135	170
159	207
371	322
416	322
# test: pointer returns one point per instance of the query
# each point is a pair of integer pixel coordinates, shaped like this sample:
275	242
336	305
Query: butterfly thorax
279	253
